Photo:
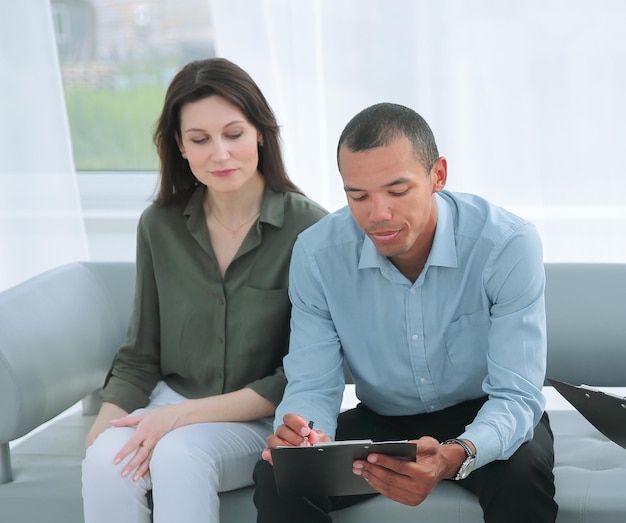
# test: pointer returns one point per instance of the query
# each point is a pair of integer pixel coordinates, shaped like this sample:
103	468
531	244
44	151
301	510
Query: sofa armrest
60	331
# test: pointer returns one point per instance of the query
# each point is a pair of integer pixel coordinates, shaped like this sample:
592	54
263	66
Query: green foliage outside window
117	59
112	129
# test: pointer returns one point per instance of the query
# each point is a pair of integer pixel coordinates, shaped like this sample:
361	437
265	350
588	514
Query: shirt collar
194	205
442	252
272	206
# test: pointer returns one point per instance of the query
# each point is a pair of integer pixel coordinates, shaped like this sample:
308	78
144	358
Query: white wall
112	203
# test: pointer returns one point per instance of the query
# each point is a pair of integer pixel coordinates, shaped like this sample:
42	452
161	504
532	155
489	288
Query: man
436	302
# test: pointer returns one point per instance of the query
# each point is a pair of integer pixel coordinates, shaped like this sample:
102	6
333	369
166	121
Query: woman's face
220	144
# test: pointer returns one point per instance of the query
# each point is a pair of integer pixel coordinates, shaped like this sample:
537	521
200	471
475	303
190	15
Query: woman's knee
176	452
99	456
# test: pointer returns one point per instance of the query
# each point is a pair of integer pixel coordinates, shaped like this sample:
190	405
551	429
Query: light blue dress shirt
473	324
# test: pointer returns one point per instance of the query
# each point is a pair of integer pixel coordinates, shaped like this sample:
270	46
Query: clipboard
325	469
605	411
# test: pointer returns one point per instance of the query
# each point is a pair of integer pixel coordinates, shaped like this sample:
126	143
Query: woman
200	371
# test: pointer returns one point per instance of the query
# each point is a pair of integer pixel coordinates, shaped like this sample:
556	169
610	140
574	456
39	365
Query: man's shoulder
494	233
332	230
335	231
476	215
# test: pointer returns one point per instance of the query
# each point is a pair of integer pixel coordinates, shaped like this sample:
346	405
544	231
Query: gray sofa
60	330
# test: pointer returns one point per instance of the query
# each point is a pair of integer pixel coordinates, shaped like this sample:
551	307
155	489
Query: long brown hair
198	80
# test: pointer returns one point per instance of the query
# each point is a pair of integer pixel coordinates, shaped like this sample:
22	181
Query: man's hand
410	482
294	432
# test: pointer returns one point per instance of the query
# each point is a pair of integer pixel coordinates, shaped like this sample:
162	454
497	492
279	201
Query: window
117	58
61	21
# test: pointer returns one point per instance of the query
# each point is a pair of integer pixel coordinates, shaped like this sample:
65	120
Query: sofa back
64	327
586	316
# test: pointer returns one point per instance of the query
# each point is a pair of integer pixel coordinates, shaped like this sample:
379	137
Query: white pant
189	466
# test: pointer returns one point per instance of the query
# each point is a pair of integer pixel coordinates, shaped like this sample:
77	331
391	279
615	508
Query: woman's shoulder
299	204
156	213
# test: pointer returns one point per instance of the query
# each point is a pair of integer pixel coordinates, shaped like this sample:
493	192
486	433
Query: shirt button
412	291
422	380
220	340
415	337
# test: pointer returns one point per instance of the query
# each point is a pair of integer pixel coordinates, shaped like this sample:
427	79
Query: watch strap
466	447
468	465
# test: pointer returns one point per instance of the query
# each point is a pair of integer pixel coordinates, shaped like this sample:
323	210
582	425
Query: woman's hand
107	412
241	405
151	427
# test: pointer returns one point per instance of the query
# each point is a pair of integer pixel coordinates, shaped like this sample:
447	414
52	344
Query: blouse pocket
266	319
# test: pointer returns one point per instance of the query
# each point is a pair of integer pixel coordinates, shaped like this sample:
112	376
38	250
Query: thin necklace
234	231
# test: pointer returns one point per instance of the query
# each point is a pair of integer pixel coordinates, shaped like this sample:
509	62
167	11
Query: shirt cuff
487	443
124	395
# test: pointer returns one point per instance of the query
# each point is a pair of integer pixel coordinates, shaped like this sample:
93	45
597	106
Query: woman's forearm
108	411
241	405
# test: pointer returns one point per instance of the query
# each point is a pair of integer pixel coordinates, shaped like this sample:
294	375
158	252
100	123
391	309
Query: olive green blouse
203	334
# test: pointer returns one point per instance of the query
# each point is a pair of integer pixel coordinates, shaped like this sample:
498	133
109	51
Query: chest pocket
466	341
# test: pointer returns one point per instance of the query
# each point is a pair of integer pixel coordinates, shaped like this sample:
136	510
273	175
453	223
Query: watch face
466	468
468	465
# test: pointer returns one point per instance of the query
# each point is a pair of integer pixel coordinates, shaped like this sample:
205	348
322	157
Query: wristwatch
468	464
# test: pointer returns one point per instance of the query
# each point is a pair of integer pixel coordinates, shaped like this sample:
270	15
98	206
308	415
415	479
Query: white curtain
41	224
525	98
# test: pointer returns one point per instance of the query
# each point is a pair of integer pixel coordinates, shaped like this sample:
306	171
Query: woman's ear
181	149
180	144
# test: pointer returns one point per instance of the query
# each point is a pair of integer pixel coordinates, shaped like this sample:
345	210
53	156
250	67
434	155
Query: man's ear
439	174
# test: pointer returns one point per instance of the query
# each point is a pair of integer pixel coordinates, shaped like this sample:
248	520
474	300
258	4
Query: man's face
391	197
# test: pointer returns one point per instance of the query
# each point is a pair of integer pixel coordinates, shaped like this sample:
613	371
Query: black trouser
520	489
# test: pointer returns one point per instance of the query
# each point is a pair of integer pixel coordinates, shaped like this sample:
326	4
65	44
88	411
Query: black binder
326	469
606	412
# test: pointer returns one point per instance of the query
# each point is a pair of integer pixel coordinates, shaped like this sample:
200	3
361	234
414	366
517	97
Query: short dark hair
380	124
198	80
